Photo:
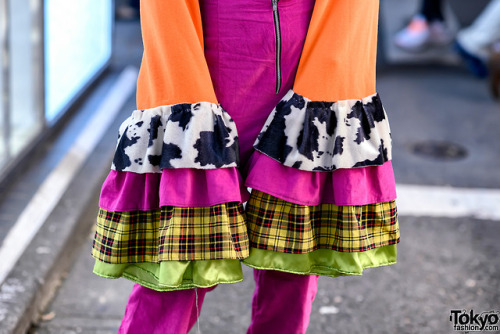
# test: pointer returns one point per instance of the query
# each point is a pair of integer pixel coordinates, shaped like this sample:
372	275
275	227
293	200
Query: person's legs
135	4
426	29
477	38
432	10
172	312
282	302
495	71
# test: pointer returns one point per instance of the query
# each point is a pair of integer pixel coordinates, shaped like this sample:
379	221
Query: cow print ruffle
324	136
201	136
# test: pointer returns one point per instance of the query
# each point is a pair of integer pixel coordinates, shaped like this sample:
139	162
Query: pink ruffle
356	186
127	191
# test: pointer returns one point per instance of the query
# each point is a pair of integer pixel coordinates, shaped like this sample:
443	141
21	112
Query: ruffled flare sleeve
171	214
324	189
332	121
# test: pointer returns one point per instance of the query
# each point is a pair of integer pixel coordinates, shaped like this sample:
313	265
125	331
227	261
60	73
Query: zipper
277	29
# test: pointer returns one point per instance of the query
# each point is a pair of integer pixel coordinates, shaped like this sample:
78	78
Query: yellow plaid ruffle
172	233
277	225
225	231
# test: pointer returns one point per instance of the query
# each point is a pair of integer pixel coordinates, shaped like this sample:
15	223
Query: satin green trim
322	262
174	275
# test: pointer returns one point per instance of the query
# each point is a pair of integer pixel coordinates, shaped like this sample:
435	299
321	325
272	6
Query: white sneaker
440	34
420	34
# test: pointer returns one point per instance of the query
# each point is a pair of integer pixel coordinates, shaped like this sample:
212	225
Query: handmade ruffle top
276	96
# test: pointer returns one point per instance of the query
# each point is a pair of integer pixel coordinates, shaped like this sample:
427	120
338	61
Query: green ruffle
174	275
323	261
179	275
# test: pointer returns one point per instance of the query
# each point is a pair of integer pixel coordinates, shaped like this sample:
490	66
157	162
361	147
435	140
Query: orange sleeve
339	56
173	69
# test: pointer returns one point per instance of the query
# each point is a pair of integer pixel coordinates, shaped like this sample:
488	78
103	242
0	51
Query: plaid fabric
281	226
172	233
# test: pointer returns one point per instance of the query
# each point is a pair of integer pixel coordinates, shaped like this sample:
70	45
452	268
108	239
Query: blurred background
43	69
67	80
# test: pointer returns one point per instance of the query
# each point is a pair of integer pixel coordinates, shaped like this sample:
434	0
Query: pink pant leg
172	312
282	302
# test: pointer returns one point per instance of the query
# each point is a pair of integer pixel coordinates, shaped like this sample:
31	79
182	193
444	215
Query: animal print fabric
201	136
324	136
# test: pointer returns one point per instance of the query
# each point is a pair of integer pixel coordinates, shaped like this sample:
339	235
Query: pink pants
281	304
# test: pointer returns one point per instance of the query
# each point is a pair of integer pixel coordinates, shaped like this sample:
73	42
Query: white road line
448	202
54	186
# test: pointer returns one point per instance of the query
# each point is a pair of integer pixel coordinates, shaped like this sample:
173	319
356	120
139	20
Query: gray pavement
441	103
443	263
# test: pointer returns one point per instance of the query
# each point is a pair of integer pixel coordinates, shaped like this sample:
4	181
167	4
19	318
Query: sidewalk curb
31	284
